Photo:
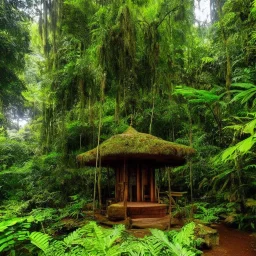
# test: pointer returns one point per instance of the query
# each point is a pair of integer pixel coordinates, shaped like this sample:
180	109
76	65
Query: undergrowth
92	239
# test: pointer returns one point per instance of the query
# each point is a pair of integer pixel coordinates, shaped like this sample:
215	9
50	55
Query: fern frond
134	247
77	251
247	92
222	174
114	235
153	247
5	224
40	240
113	251
228	154
250	127
73	238
178	250
161	241
244	86
56	248
186	235
197	96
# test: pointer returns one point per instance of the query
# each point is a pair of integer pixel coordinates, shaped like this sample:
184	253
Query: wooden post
138	184
156	188
125	191
117	173
108	180
152	185
142	183
125	199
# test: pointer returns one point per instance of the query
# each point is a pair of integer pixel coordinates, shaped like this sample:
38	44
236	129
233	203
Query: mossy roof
136	146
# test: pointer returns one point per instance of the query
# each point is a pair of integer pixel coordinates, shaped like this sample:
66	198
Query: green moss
133	144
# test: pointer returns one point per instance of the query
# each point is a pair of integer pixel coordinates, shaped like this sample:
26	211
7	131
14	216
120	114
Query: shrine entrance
140	182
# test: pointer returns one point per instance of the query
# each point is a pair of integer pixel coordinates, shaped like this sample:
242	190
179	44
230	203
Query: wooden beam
142	183
125	189
138	184
152	185
126	180
117	183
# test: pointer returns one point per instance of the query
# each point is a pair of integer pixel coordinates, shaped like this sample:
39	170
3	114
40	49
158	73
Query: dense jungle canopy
73	73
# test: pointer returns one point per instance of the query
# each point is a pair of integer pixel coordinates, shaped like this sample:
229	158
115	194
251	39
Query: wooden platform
137	210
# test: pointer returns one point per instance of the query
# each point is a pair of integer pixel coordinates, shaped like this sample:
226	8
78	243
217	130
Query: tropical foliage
92	239
78	71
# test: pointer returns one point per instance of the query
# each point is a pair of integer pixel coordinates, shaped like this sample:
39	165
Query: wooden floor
145	210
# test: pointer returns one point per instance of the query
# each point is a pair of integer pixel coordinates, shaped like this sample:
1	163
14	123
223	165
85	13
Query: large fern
135	247
89	240
186	235
102	241
244	93
197	96
95	240
13	233
243	147
40	240
162	243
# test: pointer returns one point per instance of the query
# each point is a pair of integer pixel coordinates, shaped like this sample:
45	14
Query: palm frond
247	92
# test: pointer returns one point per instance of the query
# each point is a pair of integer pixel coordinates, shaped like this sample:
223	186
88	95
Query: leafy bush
13	233
13	152
207	214
245	221
52	159
92	239
95	240
164	243
12	208
74	208
89	240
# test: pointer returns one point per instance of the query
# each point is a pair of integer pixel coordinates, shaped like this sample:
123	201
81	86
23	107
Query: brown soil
233	242
139	233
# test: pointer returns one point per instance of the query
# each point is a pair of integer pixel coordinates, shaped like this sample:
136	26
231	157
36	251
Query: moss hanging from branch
117	55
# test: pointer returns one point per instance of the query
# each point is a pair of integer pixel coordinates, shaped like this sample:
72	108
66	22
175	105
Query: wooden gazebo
134	156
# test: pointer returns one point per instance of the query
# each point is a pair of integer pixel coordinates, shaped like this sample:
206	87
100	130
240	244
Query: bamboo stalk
98	143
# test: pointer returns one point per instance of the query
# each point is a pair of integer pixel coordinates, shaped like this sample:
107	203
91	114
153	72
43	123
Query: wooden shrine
135	156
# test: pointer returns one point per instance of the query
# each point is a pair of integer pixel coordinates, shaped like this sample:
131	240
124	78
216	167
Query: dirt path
233	243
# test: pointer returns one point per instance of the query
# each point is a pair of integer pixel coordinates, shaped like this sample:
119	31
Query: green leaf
245	145
223	174
243	85
40	240
247	92
241	148
228	154
250	127
5	224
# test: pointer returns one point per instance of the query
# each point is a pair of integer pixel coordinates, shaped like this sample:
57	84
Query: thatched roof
136	146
